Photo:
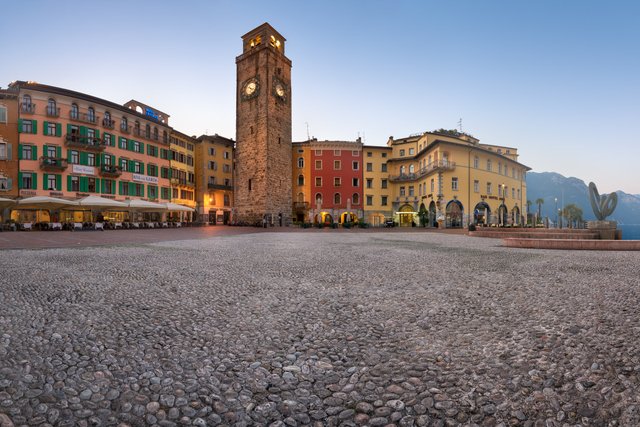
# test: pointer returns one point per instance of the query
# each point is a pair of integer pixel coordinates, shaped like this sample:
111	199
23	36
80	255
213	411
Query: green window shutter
83	131
58	182
98	185
69	155
68	182
120	187
103	189
34	124
148	169
45	181
20	131
34	152
34	179
131	165
20	152
132	188
98	160
20	180
97	133
9	153
45	128
84	184
58	152
142	167
130	145
83	158
142	147
58	129
44	150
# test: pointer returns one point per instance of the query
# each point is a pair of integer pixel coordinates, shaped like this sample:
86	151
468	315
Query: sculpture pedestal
606	229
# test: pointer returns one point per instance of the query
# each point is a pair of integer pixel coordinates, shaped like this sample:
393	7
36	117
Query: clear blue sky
559	80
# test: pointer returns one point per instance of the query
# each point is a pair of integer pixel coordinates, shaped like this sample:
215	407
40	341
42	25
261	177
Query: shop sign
145	178
82	169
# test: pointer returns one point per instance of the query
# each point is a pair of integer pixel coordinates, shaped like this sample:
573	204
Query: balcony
219	187
180	181
53	111
53	163
110	170
84	142
27	108
300	206
125	129
108	123
83	117
144	134
439	166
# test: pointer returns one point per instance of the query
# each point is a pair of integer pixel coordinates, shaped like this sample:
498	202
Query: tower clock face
250	88
279	89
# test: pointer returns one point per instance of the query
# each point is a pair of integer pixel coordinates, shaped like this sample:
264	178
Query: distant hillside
549	185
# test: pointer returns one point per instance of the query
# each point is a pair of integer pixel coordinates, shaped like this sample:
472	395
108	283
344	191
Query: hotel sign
145	178
151	114
87	170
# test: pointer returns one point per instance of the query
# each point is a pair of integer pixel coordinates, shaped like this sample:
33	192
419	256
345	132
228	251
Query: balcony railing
28	108
219	187
83	117
179	181
108	123
85	142
144	134
110	170
53	111
439	166
125	129
53	163
300	206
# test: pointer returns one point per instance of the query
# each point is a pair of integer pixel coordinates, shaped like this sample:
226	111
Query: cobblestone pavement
319	329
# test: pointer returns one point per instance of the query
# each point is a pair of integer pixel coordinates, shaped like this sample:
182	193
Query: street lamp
556	200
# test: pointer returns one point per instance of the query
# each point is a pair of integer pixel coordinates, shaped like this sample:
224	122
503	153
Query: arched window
164	136
300	162
411	169
147	131
52	109
355	199
402	170
124	124
75	112
300	179
318	198
91	115
136	127
26	100
336	199
489	165
476	162
107	115
155	133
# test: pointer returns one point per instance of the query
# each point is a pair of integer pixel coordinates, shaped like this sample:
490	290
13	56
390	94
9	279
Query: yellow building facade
301	181
377	189
449	179
214	177
182	176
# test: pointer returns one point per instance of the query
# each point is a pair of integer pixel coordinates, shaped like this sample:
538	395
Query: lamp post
556	200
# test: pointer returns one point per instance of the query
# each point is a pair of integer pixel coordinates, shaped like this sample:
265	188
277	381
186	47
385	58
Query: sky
558	80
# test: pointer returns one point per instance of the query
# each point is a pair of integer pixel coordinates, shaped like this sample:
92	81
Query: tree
573	214
539	202
529	203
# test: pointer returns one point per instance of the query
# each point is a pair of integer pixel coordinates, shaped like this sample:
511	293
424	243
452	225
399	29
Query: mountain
550	185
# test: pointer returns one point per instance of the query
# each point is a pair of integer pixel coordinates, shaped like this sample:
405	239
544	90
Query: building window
300	179
249	185
403	170
476	186
402	153
137	167
318	181
4	152
433	184
384	155
489	166
212	165
336	152
411	191
383	167
356	166
139	189
91	185
454	183
369	200
412	168
356	182
318	165
318	198
155	135
336	199
91	159
337	182
337	165
500	169
518	194
75	112
27	126
27	152
300	162
355	199
412	151
369	167
318	152
489	188
355	153
476	162
384	183
226	155
403	191
91	115
212	180
52	110
75	183
136	146
212	151
369	154
124	124
369	183
3	114
51	183
226	200
383	200
227	182
226	168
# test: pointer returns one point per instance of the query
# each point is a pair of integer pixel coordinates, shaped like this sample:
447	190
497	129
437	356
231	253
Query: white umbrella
45	202
144	206
174	207
101	202
5	203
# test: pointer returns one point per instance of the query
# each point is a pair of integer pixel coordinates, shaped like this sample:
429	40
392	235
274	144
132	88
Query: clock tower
262	185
